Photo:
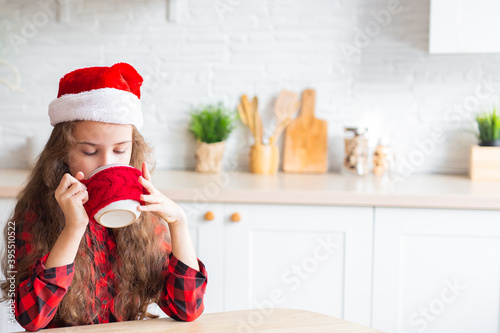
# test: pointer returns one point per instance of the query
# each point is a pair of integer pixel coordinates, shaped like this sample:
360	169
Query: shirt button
28	284
104	301
101	246
103	275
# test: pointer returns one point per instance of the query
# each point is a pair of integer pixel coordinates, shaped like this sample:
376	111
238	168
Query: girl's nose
107	159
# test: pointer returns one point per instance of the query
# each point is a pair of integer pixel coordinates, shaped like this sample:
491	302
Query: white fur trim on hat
105	105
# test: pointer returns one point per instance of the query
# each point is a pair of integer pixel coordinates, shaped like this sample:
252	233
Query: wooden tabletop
258	320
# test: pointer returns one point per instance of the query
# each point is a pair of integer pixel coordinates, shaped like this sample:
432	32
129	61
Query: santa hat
103	94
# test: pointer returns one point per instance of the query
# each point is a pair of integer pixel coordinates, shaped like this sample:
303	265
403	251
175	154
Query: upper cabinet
464	26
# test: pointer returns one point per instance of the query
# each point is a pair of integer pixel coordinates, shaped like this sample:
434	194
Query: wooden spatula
285	106
250	116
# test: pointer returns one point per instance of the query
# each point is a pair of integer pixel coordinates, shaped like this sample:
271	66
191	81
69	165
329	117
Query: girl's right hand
71	195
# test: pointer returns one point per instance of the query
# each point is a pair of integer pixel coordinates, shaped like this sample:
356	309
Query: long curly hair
138	285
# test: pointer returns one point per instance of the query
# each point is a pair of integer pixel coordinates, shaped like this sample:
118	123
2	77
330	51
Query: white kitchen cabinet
436	270
315	258
208	241
464	26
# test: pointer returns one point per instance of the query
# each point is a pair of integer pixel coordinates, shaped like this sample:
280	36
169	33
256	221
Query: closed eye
119	151
90	154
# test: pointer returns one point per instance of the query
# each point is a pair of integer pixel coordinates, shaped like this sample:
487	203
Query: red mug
114	194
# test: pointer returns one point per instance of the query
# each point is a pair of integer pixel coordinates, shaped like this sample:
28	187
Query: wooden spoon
243	116
249	115
258	122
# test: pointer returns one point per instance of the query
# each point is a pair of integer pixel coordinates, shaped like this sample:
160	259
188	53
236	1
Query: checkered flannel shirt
38	296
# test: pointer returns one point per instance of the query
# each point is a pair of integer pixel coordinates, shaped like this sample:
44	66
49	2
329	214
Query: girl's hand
157	203
71	195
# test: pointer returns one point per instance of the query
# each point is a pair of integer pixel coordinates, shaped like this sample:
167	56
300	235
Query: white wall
220	49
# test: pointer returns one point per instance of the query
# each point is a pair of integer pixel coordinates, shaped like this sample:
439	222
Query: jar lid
356	130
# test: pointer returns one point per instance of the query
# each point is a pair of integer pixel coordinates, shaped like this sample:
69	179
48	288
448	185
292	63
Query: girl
70	269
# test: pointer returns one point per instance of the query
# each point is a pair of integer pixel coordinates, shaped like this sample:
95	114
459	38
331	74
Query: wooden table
259	320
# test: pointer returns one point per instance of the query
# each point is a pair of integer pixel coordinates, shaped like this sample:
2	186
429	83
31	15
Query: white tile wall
217	50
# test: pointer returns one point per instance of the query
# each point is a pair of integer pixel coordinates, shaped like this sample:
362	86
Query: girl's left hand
157	203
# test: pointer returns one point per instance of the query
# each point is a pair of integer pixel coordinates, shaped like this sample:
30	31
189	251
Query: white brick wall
220	49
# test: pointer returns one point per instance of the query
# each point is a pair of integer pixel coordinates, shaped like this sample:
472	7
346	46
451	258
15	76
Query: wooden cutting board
306	140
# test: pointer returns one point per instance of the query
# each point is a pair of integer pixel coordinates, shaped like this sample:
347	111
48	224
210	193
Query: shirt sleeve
182	297
38	296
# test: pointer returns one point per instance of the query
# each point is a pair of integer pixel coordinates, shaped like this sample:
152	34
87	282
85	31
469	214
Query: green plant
212	123
488	124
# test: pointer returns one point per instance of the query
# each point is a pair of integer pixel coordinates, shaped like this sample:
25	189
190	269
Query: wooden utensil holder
484	163
264	159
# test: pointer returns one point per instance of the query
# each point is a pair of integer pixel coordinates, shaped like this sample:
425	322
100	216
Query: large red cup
114	194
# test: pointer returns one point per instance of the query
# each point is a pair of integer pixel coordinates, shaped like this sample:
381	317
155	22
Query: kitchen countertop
259	320
430	191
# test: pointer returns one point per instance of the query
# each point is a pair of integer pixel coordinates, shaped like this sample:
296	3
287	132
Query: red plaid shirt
38	296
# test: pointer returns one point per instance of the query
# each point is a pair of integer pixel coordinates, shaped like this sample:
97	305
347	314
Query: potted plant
211	126
488	124
485	157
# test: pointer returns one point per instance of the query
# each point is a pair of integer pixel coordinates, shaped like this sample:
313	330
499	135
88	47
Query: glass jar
356	150
383	159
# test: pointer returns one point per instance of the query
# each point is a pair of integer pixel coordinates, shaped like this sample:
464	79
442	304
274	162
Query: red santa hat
103	94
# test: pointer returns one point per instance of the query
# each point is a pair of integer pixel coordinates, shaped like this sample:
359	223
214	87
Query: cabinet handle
235	217
209	216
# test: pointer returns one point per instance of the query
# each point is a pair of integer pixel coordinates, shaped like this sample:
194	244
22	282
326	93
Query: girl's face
98	144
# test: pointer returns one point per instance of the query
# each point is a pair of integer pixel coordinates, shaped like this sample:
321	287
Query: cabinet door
315	258
208	241
436	270
465	26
